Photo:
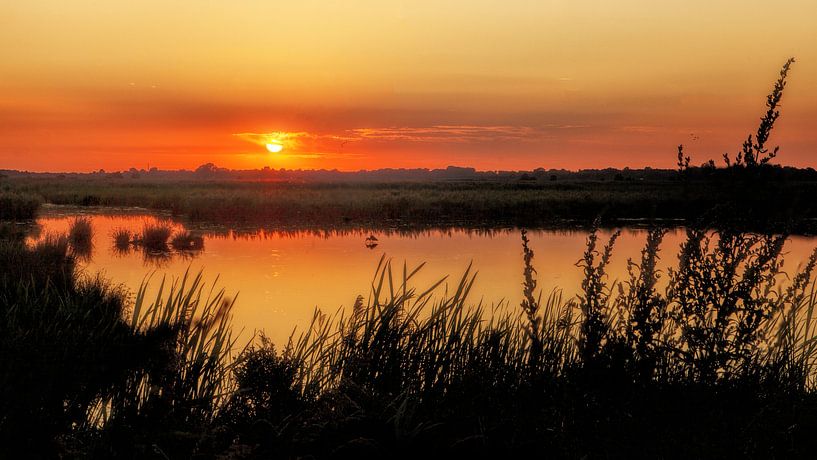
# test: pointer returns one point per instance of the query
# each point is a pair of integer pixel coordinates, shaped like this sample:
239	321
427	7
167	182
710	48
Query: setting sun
274	148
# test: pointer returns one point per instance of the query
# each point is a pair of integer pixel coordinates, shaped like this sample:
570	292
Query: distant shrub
90	200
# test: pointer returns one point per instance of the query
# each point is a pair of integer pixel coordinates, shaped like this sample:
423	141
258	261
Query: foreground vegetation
715	360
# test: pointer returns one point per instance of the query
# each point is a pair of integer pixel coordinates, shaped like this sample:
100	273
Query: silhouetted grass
154	237
80	237
18	206
187	241
706	368
122	239
717	360
84	371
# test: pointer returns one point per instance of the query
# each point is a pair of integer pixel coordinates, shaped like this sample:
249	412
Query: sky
367	84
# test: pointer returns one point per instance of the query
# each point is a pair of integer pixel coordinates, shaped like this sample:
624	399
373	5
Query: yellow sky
366	84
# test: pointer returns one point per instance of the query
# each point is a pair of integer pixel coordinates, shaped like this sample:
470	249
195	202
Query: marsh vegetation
719	361
777	195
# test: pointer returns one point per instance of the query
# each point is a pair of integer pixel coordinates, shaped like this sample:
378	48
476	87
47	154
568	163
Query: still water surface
279	278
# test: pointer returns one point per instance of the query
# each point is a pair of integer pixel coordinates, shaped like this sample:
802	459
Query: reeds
157	242
725	338
80	237
76	356
122	239
578	197
154	237
194	322
80	231
187	241
18	206
718	358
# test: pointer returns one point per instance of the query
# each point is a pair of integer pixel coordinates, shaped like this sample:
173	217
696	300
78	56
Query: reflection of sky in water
280	277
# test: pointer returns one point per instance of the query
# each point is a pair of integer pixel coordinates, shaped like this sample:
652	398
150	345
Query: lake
280	277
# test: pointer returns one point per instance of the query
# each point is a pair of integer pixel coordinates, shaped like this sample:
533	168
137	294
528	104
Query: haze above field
365	85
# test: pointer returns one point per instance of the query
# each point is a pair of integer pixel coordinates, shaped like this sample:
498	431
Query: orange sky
365	84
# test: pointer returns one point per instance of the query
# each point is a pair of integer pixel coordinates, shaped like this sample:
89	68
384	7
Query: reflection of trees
362	232
238	233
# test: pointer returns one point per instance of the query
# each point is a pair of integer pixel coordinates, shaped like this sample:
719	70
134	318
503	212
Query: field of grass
719	364
767	196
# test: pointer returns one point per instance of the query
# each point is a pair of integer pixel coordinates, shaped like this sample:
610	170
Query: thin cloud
448	133
290	138
304	144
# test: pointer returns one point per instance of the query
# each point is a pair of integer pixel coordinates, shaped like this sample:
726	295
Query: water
279	278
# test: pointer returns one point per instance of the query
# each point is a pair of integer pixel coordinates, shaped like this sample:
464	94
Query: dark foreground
717	365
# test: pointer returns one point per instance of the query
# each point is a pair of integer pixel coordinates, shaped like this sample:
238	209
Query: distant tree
206	168
209	170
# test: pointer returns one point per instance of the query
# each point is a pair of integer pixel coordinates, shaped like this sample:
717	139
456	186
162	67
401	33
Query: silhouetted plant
154	237
594	296
122	240
187	241
18	206
530	303
683	161
722	297
643	310
754	151
80	237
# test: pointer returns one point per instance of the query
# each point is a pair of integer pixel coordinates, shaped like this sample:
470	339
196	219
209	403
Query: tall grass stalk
196	320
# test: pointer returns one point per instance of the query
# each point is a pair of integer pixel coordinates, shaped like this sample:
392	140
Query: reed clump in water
158	242
80	237
187	241
155	236
122	239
